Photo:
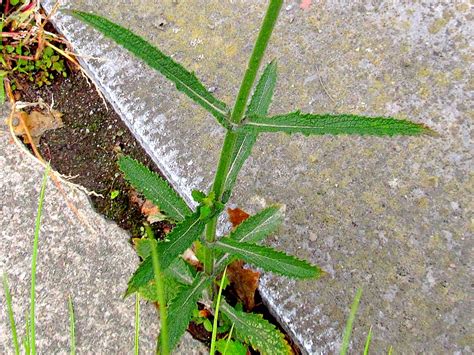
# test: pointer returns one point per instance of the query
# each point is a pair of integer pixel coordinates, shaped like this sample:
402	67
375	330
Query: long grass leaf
348	330
216	314
367	342
32	337
11	316
184	80
136	347
72	327
319	124
229	338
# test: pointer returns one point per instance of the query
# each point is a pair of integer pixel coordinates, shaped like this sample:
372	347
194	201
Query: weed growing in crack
179	285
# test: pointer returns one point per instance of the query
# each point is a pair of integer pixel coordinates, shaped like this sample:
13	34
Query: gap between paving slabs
89	263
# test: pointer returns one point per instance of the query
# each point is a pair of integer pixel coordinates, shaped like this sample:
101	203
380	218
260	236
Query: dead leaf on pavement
37	123
244	281
237	216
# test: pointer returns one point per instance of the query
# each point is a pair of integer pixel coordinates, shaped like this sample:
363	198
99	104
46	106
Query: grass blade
137	324
229	337
154	188
216	315
268	259
39	214
11	316
26	338
2	90
311	124
367	342
184	80
348	330
72	327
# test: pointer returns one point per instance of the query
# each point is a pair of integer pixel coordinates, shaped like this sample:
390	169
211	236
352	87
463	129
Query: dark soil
87	147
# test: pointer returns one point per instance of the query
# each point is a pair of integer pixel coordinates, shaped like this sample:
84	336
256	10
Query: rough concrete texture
393	216
80	255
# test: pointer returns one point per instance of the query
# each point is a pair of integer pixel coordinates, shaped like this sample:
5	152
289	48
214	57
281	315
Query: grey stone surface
80	255
391	215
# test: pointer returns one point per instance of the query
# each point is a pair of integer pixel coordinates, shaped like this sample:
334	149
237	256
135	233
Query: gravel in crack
88	145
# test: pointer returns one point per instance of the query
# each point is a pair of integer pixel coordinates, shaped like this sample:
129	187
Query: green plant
26	47
350	321
243	123
29	340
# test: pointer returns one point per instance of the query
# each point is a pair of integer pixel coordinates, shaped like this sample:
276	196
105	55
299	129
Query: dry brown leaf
244	282
152	213
37	124
237	216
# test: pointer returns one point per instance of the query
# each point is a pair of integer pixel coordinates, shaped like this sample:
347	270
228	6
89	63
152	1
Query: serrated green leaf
171	289
251	328
185	81
181	271
254	229
154	188
259	105
311	124
181	308
263	94
178	240
231	347
268	259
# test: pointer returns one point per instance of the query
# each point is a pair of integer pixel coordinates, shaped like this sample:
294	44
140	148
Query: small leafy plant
26	47
185	286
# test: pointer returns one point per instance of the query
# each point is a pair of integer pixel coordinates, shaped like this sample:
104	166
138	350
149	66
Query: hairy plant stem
236	117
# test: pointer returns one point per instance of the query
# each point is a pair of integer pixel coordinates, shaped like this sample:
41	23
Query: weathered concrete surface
80	254
391	215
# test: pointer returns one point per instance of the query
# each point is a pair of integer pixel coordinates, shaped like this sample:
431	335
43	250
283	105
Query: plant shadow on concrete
164	276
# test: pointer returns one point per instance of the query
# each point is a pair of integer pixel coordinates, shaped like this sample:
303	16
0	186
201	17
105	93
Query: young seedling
243	123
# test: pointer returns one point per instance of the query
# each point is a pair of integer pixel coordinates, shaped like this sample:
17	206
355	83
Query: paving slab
80	255
393	216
